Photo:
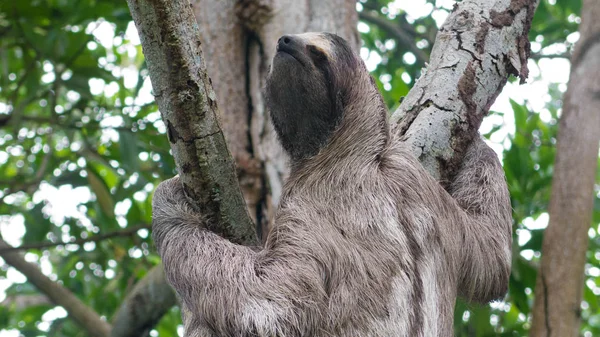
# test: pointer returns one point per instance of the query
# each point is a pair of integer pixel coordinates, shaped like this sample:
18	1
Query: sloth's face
305	89
301	77
309	50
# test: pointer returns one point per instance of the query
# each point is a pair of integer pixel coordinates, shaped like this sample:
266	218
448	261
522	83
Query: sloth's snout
289	43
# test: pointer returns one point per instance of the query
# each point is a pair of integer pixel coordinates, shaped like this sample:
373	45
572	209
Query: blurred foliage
73	123
77	122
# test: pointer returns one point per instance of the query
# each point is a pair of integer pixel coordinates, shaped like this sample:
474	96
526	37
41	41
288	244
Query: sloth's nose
287	42
285	39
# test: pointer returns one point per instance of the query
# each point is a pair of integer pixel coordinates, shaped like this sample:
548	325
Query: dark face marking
305	90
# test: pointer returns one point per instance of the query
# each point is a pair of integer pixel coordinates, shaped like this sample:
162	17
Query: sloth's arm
481	191
233	288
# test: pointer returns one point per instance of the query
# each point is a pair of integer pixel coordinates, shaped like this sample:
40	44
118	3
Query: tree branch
402	36
143	307
539	56
481	43
85	317
95	238
21	302
187	102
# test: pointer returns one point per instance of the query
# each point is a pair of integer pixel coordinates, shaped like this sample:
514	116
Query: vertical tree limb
187	102
560	281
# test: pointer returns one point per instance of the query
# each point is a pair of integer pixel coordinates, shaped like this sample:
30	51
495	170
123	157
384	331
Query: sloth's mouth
290	52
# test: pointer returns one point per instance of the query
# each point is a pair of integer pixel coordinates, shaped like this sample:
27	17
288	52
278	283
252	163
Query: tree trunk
238	39
560	278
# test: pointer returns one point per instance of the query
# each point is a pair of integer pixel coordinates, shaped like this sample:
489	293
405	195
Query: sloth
364	242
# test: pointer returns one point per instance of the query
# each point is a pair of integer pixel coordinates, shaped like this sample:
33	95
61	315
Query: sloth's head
313	79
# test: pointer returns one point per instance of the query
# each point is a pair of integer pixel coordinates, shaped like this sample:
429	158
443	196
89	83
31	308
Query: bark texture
560	279
83	315
187	102
480	44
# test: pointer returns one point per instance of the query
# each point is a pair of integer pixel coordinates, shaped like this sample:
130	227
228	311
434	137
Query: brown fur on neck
360	140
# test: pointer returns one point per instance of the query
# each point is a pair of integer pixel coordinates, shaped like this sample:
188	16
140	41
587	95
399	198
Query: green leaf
42	226
100	189
535	243
129	150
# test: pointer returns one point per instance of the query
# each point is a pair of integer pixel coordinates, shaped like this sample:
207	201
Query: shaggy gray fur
364	243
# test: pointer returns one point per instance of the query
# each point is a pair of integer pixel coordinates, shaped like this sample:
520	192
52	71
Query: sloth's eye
316	53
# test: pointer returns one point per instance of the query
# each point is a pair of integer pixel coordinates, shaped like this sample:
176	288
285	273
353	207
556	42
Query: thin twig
538	56
402	36
95	238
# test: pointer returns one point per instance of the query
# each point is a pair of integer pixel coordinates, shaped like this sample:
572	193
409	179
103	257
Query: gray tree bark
187	103
560	279
478	47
